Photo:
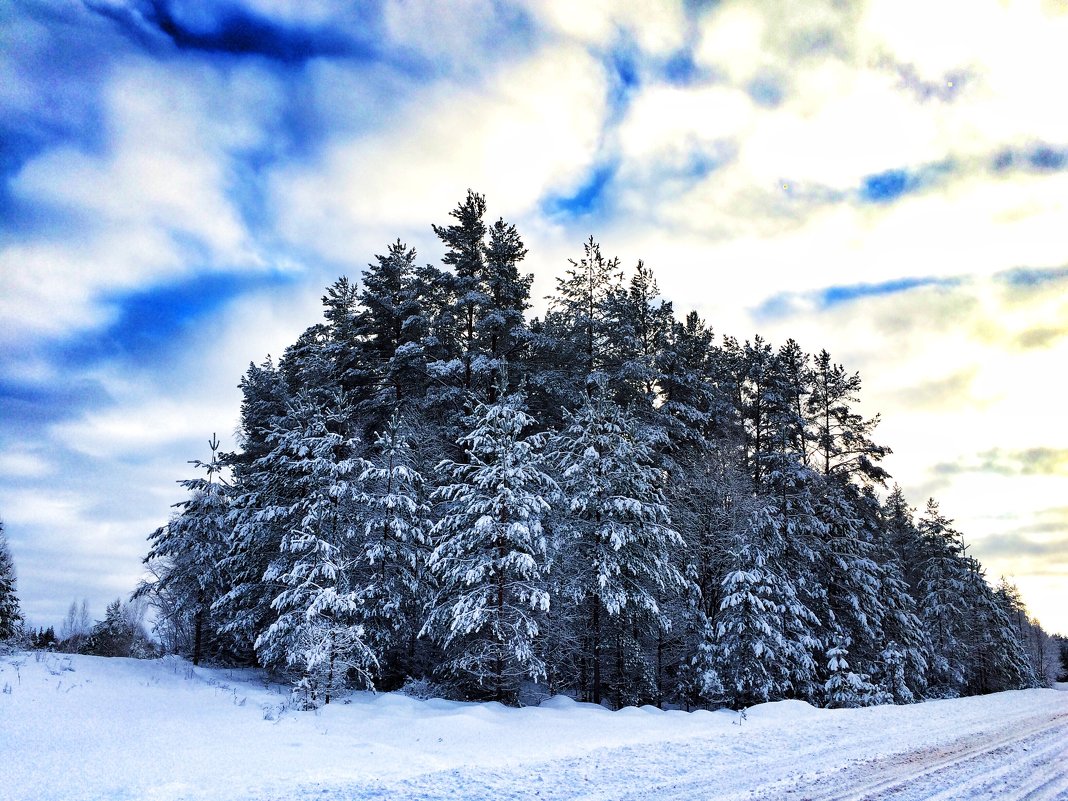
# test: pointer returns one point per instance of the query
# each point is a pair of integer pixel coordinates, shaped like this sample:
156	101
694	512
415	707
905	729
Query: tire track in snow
1024	756
998	766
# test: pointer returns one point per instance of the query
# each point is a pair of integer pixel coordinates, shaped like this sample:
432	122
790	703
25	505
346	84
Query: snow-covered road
90	728
1021	758
1028	759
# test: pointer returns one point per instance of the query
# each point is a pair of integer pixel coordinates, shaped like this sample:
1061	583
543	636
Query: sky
180	180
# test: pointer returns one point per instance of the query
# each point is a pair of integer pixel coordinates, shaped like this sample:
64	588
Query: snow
80	727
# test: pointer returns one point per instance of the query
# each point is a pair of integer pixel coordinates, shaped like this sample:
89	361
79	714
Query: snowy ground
92	728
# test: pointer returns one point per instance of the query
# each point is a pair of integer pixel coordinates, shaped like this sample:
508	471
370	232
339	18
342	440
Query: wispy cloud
1025	462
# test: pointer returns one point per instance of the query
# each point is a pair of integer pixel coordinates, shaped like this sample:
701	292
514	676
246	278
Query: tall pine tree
490	553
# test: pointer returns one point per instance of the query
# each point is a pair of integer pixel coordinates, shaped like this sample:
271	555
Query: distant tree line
607	502
120	633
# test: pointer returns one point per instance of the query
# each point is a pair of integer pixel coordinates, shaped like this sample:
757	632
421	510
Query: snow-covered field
92	728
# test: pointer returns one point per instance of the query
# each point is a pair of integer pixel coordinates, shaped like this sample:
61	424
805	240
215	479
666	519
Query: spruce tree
852	585
254	532
10	611
465	253
188	552
394	551
502	328
762	648
318	605
392	330
944	596
579	322
615	534
842	441
490	553
998	659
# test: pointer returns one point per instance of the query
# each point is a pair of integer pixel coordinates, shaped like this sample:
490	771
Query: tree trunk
596	650
330	671
198	632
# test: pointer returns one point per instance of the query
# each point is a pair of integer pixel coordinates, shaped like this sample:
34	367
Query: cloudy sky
179	180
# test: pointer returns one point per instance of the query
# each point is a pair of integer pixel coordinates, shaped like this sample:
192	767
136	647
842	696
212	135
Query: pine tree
255	532
10	611
944	597
119	634
394	552
392	332
576	340
318	626
614	532
852	582
905	651
641	324
341	312
776	553
842	441
465	243
765	633
189	551
502	329
490	553
998	659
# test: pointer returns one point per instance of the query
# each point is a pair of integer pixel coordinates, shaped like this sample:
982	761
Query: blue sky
179	180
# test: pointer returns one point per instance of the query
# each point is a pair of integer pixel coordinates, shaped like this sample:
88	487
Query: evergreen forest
433	490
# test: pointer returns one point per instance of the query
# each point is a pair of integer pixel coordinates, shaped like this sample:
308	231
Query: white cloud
164	164
49	289
732	41
21	463
151	205
535	127
599	22
137	427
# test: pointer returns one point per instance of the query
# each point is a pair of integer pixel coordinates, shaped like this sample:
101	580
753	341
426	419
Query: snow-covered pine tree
318	628
901	670
904	650
694	411
490	553
765	634
707	495
998	659
308	366
187	553
710	503
255	535
465	243
575	340
120	633
902	539
767	629
615	542
641	323
501	328
348	368
394	552
1044	665
10	611
392	328
944	600
842	441
852	582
